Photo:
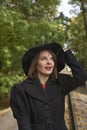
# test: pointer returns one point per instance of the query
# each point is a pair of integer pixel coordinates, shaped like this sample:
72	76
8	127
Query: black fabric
38	109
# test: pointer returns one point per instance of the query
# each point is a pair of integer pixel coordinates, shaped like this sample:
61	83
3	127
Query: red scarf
44	86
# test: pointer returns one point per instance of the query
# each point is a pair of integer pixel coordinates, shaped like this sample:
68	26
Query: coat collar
33	87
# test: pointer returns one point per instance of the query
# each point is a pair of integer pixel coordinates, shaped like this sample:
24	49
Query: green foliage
77	39
12	28
26	23
6	82
19	31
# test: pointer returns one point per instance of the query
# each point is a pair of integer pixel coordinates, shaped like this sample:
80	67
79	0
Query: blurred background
26	23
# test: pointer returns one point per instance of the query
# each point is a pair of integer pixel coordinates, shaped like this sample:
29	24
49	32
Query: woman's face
45	64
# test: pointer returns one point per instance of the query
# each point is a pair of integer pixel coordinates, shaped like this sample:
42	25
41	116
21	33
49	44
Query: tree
77	36
21	28
26	23
83	7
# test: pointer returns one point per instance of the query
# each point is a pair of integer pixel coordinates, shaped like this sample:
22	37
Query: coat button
47	107
49	121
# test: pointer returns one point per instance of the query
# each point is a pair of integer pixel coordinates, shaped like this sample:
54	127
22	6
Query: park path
7	122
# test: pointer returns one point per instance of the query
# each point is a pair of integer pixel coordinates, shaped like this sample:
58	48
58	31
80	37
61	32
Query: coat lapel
34	89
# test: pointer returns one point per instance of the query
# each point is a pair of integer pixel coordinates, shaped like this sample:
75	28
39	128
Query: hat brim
31	53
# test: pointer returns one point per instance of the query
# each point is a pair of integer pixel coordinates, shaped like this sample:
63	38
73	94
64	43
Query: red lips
48	68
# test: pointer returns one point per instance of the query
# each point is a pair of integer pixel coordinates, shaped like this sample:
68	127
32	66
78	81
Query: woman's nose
48	61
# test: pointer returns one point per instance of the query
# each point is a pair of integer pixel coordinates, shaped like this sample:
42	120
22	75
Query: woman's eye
43	58
52	59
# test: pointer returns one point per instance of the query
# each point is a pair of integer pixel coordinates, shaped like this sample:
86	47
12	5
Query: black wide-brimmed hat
32	52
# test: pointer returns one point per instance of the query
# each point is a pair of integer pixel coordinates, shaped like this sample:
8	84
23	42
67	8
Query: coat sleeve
79	75
18	106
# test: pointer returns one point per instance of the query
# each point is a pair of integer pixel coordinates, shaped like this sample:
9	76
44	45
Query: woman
38	102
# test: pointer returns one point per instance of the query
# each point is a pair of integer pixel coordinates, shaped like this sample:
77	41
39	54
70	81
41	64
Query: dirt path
7	122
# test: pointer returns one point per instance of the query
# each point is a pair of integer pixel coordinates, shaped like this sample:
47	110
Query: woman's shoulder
21	85
16	88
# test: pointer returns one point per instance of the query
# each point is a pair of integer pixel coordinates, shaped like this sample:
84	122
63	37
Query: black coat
38	109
